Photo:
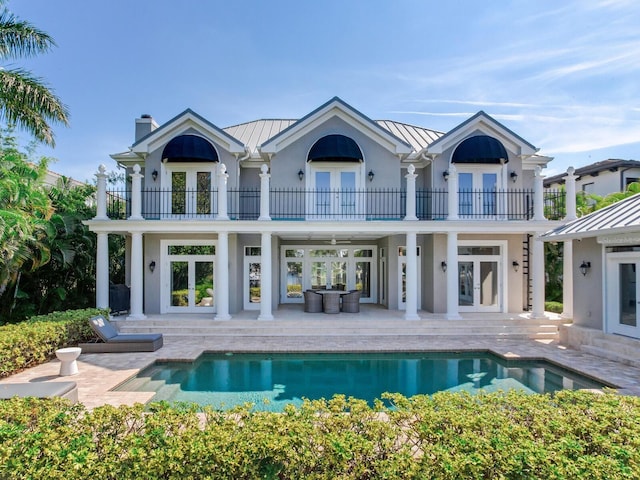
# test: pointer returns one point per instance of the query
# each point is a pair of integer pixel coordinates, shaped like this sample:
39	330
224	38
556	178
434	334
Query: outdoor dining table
331	300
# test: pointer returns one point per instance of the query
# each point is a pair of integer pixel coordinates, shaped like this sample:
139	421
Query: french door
334	193
623	294
480	273
190	191
188	278
478	194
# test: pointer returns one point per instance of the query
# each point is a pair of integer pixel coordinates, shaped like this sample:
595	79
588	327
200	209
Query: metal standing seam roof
258	132
621	216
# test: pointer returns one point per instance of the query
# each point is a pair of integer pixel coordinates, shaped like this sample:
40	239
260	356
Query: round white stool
67	357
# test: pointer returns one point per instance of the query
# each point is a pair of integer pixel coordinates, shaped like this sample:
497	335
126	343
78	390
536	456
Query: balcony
296	204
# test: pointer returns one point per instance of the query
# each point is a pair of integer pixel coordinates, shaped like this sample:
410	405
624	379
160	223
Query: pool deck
100	373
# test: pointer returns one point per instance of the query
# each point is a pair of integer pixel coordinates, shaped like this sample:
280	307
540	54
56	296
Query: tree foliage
25	100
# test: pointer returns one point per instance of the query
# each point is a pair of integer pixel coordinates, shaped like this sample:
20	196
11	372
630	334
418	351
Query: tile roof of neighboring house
257	132
620	217
611	164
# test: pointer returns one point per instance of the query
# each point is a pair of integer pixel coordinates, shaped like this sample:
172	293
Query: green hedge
34	341
446	436
555	307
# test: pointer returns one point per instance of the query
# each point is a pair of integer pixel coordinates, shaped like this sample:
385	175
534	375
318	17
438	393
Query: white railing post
411	193
264	193
223	176
136	193
101	194
453	193
538	195
570	192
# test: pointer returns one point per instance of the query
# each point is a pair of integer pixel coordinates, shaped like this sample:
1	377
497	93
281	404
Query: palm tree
25	101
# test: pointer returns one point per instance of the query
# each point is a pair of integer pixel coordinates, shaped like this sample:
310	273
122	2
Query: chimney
145	125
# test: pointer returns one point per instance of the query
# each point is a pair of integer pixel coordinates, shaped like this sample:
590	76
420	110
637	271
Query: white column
265	278
537	277
222	277
137	276
538	195
136	193
411	312
223	176
264	193
102	270
452	276
101	194
567	279
570	191
452	196
411	193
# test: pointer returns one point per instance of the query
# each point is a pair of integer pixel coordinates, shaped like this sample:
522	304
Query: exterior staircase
341	325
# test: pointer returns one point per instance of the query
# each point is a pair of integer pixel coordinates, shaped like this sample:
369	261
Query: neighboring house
220	220
605	293
601	178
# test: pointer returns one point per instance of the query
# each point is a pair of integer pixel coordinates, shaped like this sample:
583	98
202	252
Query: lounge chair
68	390
115	342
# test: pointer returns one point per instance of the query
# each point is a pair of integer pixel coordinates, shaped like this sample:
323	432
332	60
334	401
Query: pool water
271	381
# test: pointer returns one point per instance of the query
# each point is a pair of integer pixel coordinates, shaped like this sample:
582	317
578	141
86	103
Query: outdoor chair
114	342
351	302
312	302
68	390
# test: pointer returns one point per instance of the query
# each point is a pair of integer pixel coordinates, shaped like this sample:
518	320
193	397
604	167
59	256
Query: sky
564	75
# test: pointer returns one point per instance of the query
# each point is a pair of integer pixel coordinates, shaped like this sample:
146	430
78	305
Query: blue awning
189	148
335	148
480	149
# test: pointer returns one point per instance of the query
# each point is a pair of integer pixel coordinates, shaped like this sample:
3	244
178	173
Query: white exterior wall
587	296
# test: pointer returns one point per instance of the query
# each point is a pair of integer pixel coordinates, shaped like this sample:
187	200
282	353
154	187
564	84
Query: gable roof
487	124
620	217
335	108
182	122
611	164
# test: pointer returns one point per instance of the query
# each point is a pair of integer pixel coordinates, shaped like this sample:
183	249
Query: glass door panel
363	278
347	193
477	194
322	194
465	283
338	275
488	284
627	299
203	284
318	275
179	287
489	187
294	280
178	193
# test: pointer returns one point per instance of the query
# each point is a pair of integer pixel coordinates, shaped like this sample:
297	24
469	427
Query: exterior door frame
502	286
336	190
613	290
402	262
477	172
249	259
165	280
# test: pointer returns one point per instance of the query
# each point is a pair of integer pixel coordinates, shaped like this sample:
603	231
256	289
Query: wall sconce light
443	266
445	175
300	174
515	265
584	267
152	265
371	175
514	177
154	175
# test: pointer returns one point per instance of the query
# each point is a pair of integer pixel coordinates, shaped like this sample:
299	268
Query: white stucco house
600	178
248	217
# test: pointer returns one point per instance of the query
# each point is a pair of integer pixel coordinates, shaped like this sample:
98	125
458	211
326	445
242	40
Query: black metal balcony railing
325	204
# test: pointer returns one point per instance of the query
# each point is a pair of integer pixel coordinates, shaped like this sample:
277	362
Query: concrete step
627	347
610	354
271	329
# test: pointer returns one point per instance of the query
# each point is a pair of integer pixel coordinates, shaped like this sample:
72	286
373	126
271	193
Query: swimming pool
271	381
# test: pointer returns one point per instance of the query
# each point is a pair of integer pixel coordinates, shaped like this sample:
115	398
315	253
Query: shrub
571	434
555	307
34	341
